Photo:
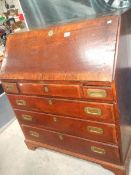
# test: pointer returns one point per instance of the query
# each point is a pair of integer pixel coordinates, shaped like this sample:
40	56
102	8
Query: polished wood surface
71	58
72	143
73	108
81	128
69	86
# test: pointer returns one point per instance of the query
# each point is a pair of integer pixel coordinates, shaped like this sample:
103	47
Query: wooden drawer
100	93
72	143
86	129
58	90
78	109
10	88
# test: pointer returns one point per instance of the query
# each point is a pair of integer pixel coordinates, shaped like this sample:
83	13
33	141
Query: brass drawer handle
21	102
46	89
97	93
60	137
9	87
34	134
92	111
96	130
98	150
27	117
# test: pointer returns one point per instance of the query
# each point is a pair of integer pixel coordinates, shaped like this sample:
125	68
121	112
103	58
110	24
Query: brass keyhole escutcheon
21	102
46	89
54	119
61	137
50	33
50	102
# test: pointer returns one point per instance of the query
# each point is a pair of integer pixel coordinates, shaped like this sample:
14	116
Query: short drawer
86	129
77	109
100	93
73	144
10	88
58	90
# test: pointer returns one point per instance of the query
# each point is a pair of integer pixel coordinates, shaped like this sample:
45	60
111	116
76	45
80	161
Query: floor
16	159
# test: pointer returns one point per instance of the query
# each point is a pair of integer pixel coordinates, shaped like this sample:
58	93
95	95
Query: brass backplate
34	134
98	150
21	102
97	93
96	130
92	111
27	117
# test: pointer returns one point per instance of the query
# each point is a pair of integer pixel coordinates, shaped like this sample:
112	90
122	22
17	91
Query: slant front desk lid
82	51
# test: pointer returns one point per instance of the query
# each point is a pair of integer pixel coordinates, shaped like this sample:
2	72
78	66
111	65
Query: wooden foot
115	168
31	146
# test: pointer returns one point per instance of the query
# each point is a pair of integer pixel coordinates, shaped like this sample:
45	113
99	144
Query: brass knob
21	102
98	150
27	117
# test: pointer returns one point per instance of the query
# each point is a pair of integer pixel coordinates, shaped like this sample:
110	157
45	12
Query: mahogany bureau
70	88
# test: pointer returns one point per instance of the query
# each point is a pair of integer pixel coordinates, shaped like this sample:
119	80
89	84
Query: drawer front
99	93
86	129
72	143
78	109
59	90
10	88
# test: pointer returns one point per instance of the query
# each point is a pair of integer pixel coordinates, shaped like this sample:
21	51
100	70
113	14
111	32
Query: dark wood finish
123	82
71	108
84	109
50	89
64	58
80	128
72	143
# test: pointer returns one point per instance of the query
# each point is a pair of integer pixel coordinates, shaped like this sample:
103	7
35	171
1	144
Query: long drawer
86	129
78	109
60	90
72	143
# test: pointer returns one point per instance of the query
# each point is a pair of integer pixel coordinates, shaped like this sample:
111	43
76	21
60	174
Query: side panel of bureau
123	82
